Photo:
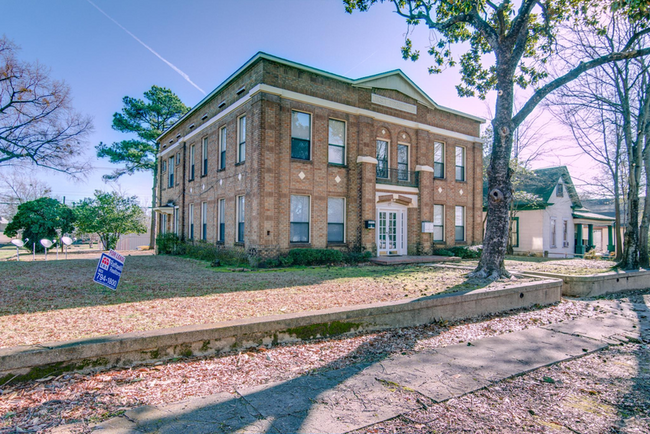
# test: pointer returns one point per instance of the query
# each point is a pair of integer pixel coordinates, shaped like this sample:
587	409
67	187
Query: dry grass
560	266
57	300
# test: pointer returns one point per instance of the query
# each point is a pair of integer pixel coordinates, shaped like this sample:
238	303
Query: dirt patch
54	301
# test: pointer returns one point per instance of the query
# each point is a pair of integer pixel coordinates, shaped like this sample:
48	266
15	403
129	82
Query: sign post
109	269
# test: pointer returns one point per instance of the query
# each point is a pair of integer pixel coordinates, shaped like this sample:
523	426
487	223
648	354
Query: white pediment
396	80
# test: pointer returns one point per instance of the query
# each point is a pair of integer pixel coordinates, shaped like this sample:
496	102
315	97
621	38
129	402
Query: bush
466	252
167	244
354	257
315	256
443	252
170	244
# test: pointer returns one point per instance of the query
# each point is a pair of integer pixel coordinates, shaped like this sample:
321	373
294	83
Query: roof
543	183
415	92
588	215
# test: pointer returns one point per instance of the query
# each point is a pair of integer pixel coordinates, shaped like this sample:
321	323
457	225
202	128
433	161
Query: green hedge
170	244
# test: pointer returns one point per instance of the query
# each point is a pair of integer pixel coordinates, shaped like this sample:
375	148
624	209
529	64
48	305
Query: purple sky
207	40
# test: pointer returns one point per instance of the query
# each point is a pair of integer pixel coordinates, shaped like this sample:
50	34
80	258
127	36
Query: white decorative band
424	169
366	159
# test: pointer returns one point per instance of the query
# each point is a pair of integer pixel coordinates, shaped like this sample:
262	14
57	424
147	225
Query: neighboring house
554	222
3	238
282	155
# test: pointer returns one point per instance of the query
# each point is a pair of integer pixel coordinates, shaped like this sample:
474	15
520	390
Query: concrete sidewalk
351	398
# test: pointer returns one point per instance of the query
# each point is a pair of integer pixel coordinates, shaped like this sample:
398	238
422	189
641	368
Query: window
204	166
514	232
191	222
382	159
163	224
222	148
559	191
335	220
438	160
192	170
336	152
460	223
460	163
164	166
241	140
300	135
299	219
178	158
553	232
438	223
170	176
204	221
565	233
222	221
241	208
176	213
402	162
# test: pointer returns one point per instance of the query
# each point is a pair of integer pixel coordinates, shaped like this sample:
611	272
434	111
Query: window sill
292	244
240	163
300	160
239	243
203	176
337	244
190	180
342	166
220	243
221	170
461	180
439	179
460	243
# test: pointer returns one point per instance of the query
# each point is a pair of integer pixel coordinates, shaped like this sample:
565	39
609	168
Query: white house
552	221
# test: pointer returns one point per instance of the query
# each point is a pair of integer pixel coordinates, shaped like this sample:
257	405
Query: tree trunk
152	235
644	261
499	175
630	260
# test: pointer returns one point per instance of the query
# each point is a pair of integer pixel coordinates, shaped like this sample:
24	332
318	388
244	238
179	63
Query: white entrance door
391	235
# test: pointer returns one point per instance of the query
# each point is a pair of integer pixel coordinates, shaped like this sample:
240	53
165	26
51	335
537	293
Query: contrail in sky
172	66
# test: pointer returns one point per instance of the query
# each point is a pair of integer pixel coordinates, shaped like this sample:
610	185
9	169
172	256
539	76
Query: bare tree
19	186
37	122
607	110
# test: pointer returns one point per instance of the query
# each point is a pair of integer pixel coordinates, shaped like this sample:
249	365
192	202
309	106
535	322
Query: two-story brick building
283	155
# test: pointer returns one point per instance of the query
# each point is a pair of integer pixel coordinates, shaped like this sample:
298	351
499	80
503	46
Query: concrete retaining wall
599	284
26	362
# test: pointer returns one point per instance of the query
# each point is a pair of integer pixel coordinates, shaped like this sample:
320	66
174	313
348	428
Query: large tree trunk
644	261
499	175
630	260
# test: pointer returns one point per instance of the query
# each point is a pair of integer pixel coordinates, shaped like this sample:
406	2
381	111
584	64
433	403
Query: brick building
283	155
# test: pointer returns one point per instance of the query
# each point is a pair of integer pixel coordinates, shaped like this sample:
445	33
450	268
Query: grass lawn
57	300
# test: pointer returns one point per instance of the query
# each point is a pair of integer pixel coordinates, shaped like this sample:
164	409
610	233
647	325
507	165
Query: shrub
355	257
315	256
443	252
466	252
167	244
170	244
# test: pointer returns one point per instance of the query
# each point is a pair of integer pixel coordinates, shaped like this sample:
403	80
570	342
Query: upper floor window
170	176
163	169
402	162
336	151
192	157
300	135
241	140
559	190
222	148
299	219
382	159
204	165
438	160
460	163
178	158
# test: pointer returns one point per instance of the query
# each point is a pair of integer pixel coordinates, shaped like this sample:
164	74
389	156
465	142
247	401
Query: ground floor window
299	219
514	232
191	222
553	233
241	218
163	224
335	220
460	223
222	220
204	221
438	223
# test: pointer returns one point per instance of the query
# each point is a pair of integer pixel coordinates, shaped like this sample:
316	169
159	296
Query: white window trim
443	222
310	216
239	141
237	213
464	224
170	172
311	134
444	157
464	163
190	221
552	236
345	140
204	220
221	144
221	209
204	155
345	217
408	159
387	154
192	161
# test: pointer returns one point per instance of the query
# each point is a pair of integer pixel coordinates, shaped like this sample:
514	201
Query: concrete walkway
357	396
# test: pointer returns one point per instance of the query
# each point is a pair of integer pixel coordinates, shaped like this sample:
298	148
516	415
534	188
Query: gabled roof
543	183
395	79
